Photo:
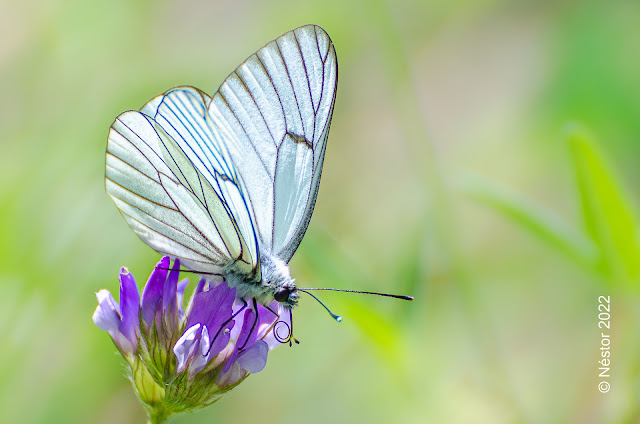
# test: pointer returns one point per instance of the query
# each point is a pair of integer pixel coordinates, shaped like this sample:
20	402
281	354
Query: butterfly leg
253	326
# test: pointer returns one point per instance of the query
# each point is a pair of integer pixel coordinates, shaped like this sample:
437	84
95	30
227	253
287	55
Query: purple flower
121	321
189	354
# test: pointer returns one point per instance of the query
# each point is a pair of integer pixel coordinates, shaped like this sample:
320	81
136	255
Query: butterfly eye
282	295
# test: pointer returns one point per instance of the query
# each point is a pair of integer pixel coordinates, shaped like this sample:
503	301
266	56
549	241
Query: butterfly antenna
334	316
395	296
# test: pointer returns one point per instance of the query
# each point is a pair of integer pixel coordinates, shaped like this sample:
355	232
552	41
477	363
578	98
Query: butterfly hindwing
166	200
182	114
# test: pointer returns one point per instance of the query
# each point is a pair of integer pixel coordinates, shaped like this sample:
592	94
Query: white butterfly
227	184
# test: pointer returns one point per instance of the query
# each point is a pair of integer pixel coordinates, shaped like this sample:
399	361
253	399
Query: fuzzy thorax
275	277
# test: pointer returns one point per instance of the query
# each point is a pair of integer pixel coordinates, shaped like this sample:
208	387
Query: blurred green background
451	174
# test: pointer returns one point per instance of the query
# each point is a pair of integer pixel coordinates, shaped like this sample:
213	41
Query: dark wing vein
255	103
306	73
293	90
170	226
275	90
224	99
201	142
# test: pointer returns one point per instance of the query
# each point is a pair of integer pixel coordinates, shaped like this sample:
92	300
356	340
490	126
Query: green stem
158	415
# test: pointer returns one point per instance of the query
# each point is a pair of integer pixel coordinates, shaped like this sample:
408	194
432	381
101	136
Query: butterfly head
287	296
277	282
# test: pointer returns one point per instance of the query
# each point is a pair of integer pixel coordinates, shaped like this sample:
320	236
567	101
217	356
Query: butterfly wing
208	187
274	113
196	214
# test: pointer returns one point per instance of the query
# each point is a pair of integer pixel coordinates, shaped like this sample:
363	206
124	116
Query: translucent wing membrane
169	202
274	112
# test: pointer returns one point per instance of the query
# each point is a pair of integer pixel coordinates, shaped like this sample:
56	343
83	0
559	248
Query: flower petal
182	285
169	301
186	346
201	357
200	286
152	293
231	377
244	340
221	324
107	316
249	326
254	359
213	308
274	335
129	306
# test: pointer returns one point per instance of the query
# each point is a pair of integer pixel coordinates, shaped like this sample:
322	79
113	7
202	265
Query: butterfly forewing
274	111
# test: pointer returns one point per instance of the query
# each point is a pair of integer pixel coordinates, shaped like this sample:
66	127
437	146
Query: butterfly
227	184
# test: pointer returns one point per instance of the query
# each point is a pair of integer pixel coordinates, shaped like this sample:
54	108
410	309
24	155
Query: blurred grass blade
325	257
385	334
541	223
606	208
